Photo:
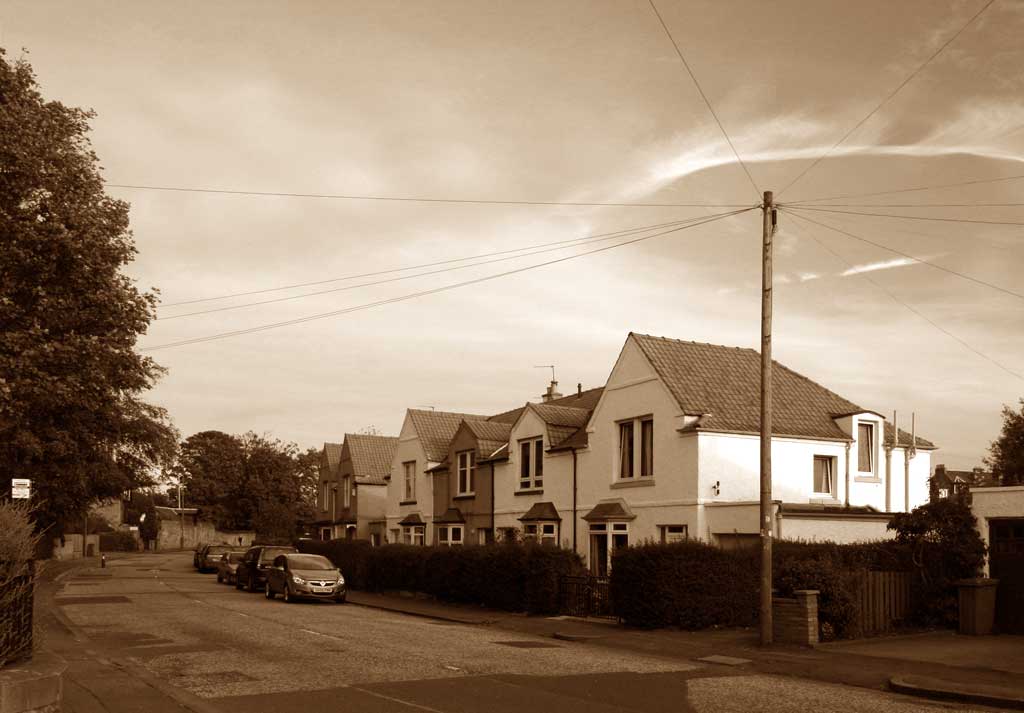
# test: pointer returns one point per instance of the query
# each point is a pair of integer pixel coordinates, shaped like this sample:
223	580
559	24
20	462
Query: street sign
21	488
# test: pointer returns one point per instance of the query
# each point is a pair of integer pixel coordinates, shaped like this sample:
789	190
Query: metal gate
1006	563
586	596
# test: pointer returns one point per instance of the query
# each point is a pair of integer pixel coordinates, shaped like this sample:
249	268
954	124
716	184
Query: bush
118	541
510	577
17	574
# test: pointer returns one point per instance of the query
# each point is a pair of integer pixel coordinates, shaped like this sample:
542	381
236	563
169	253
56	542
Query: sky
582	101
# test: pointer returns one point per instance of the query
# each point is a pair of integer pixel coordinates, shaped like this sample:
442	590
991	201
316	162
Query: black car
300	576
252	570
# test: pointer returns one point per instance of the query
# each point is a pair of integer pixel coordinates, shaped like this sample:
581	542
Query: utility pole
768	225
181	519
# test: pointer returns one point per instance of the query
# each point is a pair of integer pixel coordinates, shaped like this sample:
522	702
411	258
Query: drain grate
64	601
528	644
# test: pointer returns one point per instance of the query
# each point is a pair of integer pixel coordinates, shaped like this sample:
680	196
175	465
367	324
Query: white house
673	452
422	445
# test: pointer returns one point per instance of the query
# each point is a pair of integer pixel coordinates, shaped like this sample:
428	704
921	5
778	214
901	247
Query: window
323	496
673	533
546	533
395	536
626	449
449	535
346	493
636	448
605	539
483	536
531	463
332	501
413	534
866	447
467	468
825	475
647	447
410	481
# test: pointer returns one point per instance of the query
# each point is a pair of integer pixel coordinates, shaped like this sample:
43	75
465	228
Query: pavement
149	634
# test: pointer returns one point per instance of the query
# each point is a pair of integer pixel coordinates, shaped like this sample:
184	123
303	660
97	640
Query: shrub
17	547
118	541
511	577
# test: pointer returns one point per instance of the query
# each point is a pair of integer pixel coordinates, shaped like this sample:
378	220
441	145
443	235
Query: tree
71	382
149	526
211	469
1006	454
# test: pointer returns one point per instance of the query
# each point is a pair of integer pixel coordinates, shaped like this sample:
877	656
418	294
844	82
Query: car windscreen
235	556
217	549
309	562
270	553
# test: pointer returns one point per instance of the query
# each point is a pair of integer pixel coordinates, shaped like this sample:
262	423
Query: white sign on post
21	488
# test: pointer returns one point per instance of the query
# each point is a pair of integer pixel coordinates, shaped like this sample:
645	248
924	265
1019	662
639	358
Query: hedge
511	577
118	541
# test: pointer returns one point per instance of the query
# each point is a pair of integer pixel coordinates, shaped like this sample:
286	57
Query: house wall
372	508
330	478
409	449
989	503
511	503
833	529
475	508
920	471
671	496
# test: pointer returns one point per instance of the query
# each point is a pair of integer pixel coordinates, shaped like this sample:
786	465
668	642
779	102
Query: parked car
227	565
209	558
301	576
252	570
197	553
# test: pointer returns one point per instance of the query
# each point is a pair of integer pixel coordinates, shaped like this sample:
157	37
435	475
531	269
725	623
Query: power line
558	246
911	257
908	190
905	205
885	101
896	299
704	97
420	266
414	295
909	217
416	199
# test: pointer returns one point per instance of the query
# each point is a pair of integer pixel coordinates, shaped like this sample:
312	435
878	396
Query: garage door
1006	563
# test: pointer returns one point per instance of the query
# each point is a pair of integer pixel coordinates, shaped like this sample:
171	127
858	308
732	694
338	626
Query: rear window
217	549
235	556
314	562
271	552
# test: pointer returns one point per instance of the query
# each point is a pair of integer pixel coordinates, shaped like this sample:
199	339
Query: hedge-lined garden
510	577
694	585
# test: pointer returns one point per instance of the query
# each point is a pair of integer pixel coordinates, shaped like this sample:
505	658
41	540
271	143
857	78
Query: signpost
21	488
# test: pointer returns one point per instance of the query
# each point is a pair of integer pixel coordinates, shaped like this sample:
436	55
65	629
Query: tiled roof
412	518
905	438
371	456
610	510
562	415
436	428
725	382
332	451
587	399
450	515
490	430
541	511
507	416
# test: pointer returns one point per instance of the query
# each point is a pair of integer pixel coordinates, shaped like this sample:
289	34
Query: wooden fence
884	600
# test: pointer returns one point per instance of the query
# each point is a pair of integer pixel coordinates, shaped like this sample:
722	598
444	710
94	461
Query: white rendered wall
409	449
987	503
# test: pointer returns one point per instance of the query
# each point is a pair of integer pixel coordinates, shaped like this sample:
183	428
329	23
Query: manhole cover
528	644
64	601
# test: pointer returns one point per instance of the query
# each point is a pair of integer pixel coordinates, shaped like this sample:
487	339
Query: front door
599	554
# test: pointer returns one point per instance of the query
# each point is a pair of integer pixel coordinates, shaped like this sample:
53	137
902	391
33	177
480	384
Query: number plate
321	590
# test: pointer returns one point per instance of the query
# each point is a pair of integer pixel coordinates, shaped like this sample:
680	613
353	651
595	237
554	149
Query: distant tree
71	382
141	501
149	527
211	469
308	464
1006	454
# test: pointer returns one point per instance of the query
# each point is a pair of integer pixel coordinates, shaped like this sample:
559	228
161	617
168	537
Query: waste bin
977	605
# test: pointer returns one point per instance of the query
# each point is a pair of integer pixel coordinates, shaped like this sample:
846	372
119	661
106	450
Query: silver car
301	576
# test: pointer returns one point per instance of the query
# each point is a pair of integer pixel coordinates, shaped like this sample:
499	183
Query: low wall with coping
795	619
35	686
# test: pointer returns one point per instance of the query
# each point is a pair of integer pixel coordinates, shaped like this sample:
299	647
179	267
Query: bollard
103	561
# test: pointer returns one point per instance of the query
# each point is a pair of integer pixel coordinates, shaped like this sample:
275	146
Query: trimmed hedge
511	577
118	541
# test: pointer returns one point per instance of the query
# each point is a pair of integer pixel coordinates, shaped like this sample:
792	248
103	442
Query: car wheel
238	583
220	578
252	583
339	600
268	592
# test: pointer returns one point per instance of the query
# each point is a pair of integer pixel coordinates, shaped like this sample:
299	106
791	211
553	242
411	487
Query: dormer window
531	463
466	471
866	447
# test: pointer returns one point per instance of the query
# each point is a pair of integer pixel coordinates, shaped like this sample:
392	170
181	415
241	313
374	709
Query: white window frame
544	532
674	533
533	477
395	535
833	465
346	497
872	456
409	481
446	535
332	500
414	534
640	468
465	472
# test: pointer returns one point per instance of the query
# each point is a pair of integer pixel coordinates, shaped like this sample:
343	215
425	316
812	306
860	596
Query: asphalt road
227	650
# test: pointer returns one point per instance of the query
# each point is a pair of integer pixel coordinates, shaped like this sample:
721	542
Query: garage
1006	563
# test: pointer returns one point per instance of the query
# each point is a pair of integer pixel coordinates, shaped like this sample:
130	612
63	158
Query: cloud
876	266
808	276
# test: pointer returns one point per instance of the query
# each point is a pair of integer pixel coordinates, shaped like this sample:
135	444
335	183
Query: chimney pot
552	393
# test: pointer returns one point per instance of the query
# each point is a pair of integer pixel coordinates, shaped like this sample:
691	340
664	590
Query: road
153	618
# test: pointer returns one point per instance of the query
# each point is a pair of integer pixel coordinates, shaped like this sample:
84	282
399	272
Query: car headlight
298	580
341	580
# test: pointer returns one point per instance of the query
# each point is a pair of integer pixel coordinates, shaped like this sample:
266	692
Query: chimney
552	393
579	389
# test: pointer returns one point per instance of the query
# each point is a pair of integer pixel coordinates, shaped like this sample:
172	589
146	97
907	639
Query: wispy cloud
876	266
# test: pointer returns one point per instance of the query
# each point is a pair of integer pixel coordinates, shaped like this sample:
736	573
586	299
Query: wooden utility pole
768	224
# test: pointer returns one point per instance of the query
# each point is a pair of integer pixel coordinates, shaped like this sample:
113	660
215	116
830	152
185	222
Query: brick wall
795	619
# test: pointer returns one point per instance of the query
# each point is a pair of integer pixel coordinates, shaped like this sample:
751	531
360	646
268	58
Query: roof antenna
546	366
432	408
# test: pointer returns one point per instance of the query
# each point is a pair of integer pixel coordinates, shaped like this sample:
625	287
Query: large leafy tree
1006	454
72	416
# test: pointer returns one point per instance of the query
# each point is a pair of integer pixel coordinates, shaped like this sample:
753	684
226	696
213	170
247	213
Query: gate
586	596
1006	563
883	601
